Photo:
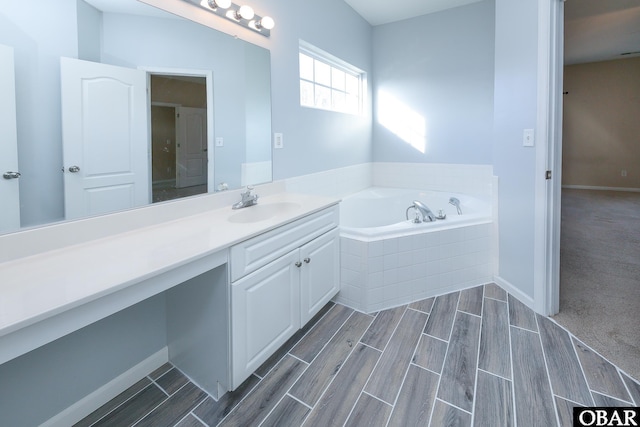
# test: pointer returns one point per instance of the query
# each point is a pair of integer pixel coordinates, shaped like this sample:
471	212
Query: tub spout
455	202
425	212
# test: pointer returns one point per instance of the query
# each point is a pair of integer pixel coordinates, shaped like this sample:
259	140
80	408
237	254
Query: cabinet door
265	312
320	279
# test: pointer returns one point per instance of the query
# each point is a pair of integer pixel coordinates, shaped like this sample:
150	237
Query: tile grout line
455	406
298	400
404	378
274	408
514	407
423	368
475	385
341	366
197	417
433	406
151	383
571	335
546	368
431	336
288	353
495	375
330	338
584	374
366	383
162	403
301	338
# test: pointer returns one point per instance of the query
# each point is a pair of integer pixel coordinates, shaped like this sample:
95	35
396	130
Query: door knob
298	264
307	260
11	175
74	169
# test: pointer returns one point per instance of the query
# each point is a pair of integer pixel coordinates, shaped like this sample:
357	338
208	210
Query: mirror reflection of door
104	138
9	190
179	156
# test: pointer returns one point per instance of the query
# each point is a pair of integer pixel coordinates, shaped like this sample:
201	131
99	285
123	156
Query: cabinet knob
298	264
307	260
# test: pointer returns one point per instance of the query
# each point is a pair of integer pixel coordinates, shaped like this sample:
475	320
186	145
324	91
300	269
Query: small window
329	83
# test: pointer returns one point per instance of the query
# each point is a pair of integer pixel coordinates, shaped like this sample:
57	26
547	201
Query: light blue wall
441	66
47	380
174	44
315	140
39	40
516	62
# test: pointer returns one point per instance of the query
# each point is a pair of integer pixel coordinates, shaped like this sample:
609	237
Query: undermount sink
261	212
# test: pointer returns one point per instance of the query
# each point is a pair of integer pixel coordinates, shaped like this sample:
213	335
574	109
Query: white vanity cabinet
279	280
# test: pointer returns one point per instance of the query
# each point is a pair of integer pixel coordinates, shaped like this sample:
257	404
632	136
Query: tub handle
307	260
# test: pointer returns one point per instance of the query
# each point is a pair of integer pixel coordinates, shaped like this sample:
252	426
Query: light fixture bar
241	15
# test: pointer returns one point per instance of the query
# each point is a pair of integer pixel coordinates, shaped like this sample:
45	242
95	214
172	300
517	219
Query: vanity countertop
38	287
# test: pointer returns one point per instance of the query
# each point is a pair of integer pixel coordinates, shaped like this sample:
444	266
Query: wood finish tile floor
478	357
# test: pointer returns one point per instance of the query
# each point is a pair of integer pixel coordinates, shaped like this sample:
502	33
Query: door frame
9	162
548	157
187	72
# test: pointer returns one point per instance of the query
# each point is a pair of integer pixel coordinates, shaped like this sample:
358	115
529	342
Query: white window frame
335	63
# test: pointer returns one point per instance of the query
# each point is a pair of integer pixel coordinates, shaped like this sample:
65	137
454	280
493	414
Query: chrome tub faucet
425	212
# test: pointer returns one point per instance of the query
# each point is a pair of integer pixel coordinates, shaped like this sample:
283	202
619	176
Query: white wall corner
513	290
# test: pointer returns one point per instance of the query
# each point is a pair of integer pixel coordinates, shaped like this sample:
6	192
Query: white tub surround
390	261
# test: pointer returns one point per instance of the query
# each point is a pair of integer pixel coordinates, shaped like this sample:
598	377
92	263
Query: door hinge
547	175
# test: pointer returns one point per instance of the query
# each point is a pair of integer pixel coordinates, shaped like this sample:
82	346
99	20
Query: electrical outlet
623	172
278	141
219	141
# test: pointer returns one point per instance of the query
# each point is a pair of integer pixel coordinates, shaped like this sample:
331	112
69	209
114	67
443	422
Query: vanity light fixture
222	4
241	15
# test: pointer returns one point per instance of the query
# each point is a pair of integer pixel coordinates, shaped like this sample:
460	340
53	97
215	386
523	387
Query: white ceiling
378	12
595	30
599	30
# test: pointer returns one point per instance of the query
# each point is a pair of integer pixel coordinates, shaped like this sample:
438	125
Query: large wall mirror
119	104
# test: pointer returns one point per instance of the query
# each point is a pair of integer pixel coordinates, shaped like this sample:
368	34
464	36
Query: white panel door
265	313
320	273
9	187
191	152
105	138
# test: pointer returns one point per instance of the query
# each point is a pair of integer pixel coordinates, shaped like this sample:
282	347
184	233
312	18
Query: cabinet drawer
254	253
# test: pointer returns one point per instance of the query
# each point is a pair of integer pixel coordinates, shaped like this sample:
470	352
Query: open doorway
600	238
179	136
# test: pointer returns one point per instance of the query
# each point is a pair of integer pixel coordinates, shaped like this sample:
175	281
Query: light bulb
266	22
245	12
222	4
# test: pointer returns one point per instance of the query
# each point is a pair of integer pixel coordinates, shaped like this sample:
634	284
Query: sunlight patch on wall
404	122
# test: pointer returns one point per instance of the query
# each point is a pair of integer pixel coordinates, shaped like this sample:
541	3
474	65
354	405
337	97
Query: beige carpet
600	273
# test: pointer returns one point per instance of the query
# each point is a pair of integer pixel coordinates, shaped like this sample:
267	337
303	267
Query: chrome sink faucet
246	199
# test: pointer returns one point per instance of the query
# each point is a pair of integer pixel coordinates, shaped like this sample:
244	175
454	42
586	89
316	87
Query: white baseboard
93	401
510	288
593	187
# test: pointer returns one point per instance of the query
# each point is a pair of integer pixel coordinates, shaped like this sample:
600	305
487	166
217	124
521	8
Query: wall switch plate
528	138
219	141
278	141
